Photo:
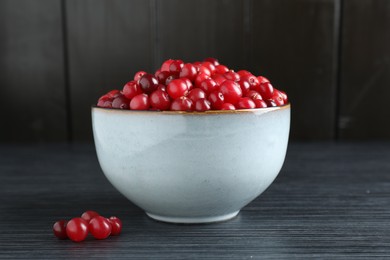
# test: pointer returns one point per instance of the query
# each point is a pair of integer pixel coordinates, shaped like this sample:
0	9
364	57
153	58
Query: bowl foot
193	220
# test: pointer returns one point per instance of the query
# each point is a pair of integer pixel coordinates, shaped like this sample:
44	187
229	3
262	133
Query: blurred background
332	57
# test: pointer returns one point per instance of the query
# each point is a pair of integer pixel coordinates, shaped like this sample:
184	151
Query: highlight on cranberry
197	86
99	227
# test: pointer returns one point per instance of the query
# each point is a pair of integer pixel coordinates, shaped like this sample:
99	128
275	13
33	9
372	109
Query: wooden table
331	200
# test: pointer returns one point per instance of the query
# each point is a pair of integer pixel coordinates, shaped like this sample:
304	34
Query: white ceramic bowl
189	167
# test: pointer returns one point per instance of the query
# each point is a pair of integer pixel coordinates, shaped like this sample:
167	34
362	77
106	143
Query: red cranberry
105	101
204	70
221	69
243	73
231	75
166	64
245	86
131	89
170	78
209	65
271	103
176	66
253	95
121	103
215	62
218	78
208	85
202	105
177	88
188	71
284	95
157	72
216	99
262	79
113	93
189	83
266	90
245	103
162	87
196	94
89	214
182	104
100	227
138	75
160	100
278	97
199	78
77	229
260	103
253	81
59	229
116	225
148	83
231	91
140	102
228	106
162	76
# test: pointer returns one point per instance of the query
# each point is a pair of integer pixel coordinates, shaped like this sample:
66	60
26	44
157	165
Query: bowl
191	167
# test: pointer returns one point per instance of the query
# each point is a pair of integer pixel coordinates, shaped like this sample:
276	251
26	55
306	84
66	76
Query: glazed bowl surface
191	167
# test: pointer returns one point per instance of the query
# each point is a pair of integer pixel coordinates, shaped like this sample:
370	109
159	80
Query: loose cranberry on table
59	229
77	229
116	226
100	227
89	214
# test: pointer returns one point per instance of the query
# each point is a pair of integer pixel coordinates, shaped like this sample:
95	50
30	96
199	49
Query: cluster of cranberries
77	229
198	86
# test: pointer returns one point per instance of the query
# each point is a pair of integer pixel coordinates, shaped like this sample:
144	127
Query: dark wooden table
331	200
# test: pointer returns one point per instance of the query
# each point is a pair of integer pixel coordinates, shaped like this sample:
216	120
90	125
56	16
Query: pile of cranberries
198	86
77	229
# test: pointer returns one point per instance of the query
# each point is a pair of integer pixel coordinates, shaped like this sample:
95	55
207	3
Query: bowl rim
209	112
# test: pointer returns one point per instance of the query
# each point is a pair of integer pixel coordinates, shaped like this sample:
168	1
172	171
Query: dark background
57	57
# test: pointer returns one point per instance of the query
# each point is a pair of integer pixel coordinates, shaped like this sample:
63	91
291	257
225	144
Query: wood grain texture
365	70
33	104
295	45
109	41
330	201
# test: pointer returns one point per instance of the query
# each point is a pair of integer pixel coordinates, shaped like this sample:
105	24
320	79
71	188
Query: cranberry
131	89
160	100
231	75
253	95
188	71
216	99
176	66
231	91
253	81
228	106
140	102
59	229
107	104
148	83
170	78
199	78
162	76
165	66
284	95
202	104
215	62
218	78
121	103
208	85
243	73
162	87
100	227
77	229
262	79
138	75
210	66
189	83
204	70
105	101
221	69
196	94
245	103
182	104
116	226
266	90
157	72
260	103
245	86
270	103
113	93
177	88
89	214
278	97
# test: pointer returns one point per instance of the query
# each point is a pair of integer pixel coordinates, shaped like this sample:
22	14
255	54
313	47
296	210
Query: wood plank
365	70
33	104
108	42
295	45
194	30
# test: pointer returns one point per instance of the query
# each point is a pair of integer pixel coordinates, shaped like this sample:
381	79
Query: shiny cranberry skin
159	100
121	103
253	95
202	105
214	61
196	94
243	73
89	214
59	229
113	93
182	104
228	106
245	86
253	81
278	97
199	78
148	83
218	78
204	70
188	82
162	76
266	90
77	229
166	64
100	227
216	99
138	75
177	88
116	226
188	71
270	103
209	65
260	103
221	69
170	78
231	91
208	85
231	75
284	95
245	103
262	79
176	66
105	102
140	102
131	89
162	87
